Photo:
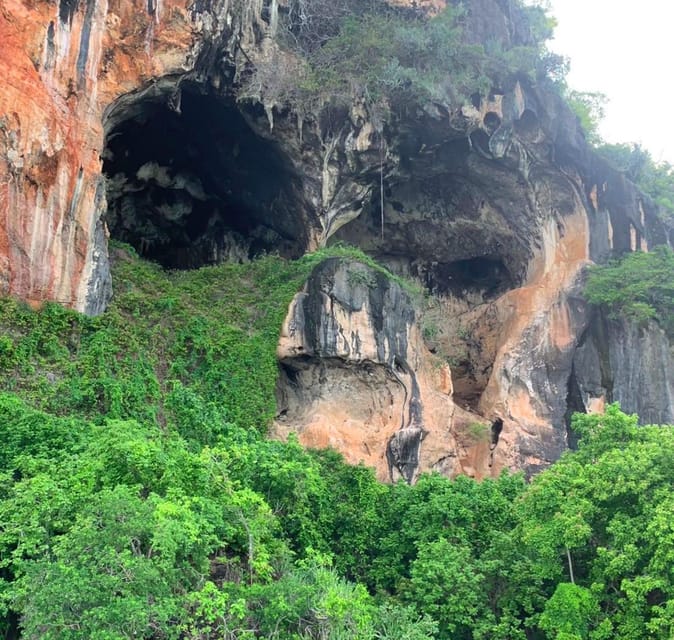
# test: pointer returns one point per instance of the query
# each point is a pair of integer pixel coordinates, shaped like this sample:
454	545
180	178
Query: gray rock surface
630	364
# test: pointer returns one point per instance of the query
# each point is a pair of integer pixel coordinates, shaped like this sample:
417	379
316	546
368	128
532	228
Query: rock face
63	63
357	376
80	75
617	361
140	120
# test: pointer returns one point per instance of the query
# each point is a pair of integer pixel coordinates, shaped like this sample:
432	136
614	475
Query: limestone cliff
357	376
138	119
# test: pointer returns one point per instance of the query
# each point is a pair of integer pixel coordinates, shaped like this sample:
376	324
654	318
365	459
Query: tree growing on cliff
656	179
638	287
589	108
389	58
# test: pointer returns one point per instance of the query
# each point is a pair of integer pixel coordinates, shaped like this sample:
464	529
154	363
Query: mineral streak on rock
357	376
133	119
61	65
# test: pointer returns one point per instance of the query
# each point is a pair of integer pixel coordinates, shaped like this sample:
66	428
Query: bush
391	58
639	287
656	179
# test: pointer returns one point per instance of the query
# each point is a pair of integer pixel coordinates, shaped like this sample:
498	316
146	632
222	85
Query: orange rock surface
63	64
58	78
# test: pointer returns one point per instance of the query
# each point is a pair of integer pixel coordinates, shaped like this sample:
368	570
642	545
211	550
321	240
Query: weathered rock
140	119
357	376
621	362
62	64
67	68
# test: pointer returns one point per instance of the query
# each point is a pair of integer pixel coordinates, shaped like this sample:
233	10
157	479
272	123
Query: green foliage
418	526
34	434
569	613
403	623
638	287
313	602
139	497
389	56
589	108
171	347
541	23
598	511
191	351
444	582
656	179
348	253
478	431
392	59
359	277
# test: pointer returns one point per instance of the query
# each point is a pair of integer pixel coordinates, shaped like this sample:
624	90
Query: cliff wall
138	120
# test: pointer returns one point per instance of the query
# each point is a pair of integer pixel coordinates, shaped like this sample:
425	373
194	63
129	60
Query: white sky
623	49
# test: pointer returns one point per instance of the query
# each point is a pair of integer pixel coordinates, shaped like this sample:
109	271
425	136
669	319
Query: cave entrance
487	275
189	182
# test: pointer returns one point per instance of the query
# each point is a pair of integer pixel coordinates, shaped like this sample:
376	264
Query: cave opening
527	126
492	121
487	275
189	182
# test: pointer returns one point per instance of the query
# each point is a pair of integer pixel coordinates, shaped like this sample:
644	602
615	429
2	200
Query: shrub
638	287
392	59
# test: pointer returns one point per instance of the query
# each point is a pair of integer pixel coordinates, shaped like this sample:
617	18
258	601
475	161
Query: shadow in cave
189	183
489	275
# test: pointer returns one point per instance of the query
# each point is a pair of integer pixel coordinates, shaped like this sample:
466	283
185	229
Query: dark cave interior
488	275
189	183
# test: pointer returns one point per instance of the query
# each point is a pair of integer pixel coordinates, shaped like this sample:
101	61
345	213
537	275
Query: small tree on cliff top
638	287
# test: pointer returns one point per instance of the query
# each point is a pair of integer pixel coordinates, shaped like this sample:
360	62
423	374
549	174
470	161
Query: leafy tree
654	178
608	495
638	287
569	613
446	584
397	622
350	514
589	108
106	578
172	515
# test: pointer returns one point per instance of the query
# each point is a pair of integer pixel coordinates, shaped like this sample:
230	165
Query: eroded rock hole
574	404
496	428
488	276
190	183
492	121
528	126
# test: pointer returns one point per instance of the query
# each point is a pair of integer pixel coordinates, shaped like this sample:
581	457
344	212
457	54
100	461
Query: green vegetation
602	508
478	431
589	108
361	278
391	59
167	340
140	498
386	56
639	287
654	178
